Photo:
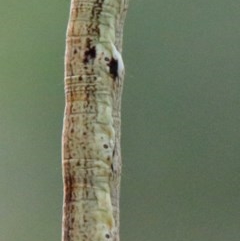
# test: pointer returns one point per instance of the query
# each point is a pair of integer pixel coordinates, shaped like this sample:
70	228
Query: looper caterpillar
91	157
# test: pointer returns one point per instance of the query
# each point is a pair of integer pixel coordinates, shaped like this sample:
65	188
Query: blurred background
180	120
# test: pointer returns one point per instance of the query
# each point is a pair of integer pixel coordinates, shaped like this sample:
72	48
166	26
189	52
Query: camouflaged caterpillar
91	158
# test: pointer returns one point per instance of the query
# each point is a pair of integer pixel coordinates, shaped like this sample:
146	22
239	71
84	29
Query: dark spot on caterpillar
112	167
107	235
105	146
113	154
75	51
113	66
106	59
89	54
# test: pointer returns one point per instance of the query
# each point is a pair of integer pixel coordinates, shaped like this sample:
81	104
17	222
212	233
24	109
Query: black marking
113	67
89	54
114	151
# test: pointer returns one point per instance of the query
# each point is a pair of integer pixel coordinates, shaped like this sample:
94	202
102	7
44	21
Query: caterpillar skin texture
91	157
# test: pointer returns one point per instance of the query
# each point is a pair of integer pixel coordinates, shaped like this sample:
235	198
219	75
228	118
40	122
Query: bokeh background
180	120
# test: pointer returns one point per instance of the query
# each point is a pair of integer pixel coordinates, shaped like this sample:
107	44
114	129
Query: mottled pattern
94	74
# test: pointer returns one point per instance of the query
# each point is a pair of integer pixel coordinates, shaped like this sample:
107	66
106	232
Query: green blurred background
180	119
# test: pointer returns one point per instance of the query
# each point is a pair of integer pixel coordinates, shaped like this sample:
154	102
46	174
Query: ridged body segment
91	133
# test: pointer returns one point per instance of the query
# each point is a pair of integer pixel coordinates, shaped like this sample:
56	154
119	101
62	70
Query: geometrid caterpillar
91	157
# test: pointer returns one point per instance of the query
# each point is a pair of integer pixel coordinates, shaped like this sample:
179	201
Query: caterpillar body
91	158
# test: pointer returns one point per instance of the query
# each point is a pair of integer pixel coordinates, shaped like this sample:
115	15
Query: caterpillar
91	157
